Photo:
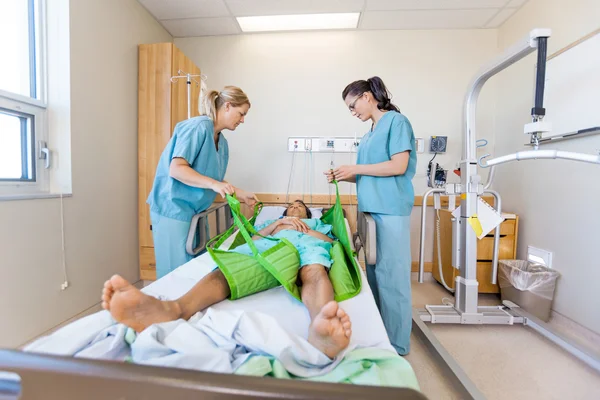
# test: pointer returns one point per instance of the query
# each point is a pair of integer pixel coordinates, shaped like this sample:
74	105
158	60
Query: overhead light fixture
271	23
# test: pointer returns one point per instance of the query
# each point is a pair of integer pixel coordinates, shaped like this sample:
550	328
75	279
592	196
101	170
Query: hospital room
299	199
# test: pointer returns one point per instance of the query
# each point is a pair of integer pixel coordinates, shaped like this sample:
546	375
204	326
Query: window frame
34	107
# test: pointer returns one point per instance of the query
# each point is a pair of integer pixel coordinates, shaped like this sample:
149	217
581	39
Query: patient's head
298	209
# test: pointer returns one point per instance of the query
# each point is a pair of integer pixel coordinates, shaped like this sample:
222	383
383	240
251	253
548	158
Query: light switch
420	145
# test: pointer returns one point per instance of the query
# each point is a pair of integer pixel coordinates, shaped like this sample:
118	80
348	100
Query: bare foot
331	329
133	308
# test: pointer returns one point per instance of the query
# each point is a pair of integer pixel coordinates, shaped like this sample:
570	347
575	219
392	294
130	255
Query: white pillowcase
274	212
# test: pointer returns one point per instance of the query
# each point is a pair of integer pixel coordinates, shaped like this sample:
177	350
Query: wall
295	80
557	200
101	217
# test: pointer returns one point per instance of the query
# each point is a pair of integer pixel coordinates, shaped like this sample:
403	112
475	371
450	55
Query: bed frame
198	234
49	377
65	378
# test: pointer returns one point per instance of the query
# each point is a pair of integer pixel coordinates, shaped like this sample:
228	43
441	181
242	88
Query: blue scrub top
193	140
391	195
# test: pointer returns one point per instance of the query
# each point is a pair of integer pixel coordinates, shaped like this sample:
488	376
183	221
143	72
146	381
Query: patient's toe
107	293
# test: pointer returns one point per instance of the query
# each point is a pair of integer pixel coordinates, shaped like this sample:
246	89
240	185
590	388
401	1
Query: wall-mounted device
437	144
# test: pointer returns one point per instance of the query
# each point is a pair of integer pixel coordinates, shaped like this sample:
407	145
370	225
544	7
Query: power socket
64	286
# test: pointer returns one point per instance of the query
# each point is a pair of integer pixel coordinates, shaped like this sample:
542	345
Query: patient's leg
330	329
137	310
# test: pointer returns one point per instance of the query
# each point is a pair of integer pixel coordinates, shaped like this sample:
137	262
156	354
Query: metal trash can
529	285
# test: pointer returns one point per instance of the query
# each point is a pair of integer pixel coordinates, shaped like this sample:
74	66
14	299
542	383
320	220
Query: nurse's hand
223	188
329	175
345	173
247	197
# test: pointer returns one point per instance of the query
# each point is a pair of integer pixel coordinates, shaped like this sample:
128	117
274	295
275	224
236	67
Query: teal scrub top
390	195
193	140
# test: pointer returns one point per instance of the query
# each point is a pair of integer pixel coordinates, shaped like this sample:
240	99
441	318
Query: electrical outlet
323	144
539	256
296	144
326	145
344	145
420	142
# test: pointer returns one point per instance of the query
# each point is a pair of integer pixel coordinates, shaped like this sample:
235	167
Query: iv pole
189	80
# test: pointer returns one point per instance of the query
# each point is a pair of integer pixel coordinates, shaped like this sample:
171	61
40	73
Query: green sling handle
345	273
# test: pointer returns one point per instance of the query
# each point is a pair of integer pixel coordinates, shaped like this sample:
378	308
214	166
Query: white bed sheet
367	326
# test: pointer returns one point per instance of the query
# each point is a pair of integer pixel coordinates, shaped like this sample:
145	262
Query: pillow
274	212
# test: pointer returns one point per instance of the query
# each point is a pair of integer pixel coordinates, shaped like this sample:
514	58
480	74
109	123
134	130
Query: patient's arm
292	223
268	230
319	235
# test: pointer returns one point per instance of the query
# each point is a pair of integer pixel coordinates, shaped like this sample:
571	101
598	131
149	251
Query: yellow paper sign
476	225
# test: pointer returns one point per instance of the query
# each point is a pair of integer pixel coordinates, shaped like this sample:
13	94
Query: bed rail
199	233
65	378
366	237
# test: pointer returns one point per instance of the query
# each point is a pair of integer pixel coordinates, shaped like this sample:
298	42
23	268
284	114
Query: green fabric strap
345	271
280	264
284	254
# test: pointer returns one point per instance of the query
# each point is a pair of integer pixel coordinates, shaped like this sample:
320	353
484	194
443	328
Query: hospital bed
48	375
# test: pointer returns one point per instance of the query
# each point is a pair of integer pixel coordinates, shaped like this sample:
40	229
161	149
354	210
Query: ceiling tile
501	17
383	5
516	3
430	19
201	26
241	8
172	9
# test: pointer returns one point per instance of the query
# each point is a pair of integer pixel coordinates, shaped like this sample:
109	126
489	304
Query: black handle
538	110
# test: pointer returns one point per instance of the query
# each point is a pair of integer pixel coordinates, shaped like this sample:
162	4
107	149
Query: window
16	133
23	152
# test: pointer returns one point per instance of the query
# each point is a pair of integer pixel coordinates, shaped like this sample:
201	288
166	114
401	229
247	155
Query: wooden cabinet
485	248
161	105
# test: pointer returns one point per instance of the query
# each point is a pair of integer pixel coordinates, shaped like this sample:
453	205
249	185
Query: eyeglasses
351	105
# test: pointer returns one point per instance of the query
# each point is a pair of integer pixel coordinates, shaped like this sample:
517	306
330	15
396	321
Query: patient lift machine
465	310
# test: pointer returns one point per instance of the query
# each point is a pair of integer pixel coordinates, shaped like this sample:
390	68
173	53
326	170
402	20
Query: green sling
279	265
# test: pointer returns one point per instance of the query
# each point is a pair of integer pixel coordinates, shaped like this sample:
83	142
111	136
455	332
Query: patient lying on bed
330	327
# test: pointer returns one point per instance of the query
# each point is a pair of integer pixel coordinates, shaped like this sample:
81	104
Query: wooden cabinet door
154	123
147	264
181	66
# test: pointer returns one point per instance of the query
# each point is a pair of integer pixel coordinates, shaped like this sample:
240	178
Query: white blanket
222	338
216	341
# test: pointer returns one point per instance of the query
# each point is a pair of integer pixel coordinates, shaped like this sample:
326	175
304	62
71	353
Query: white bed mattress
367	326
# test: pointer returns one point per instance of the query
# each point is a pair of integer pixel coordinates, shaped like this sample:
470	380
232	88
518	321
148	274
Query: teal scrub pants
389	279
170	236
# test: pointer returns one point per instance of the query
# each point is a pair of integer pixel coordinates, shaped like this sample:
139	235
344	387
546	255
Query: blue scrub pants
389	279
170	236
